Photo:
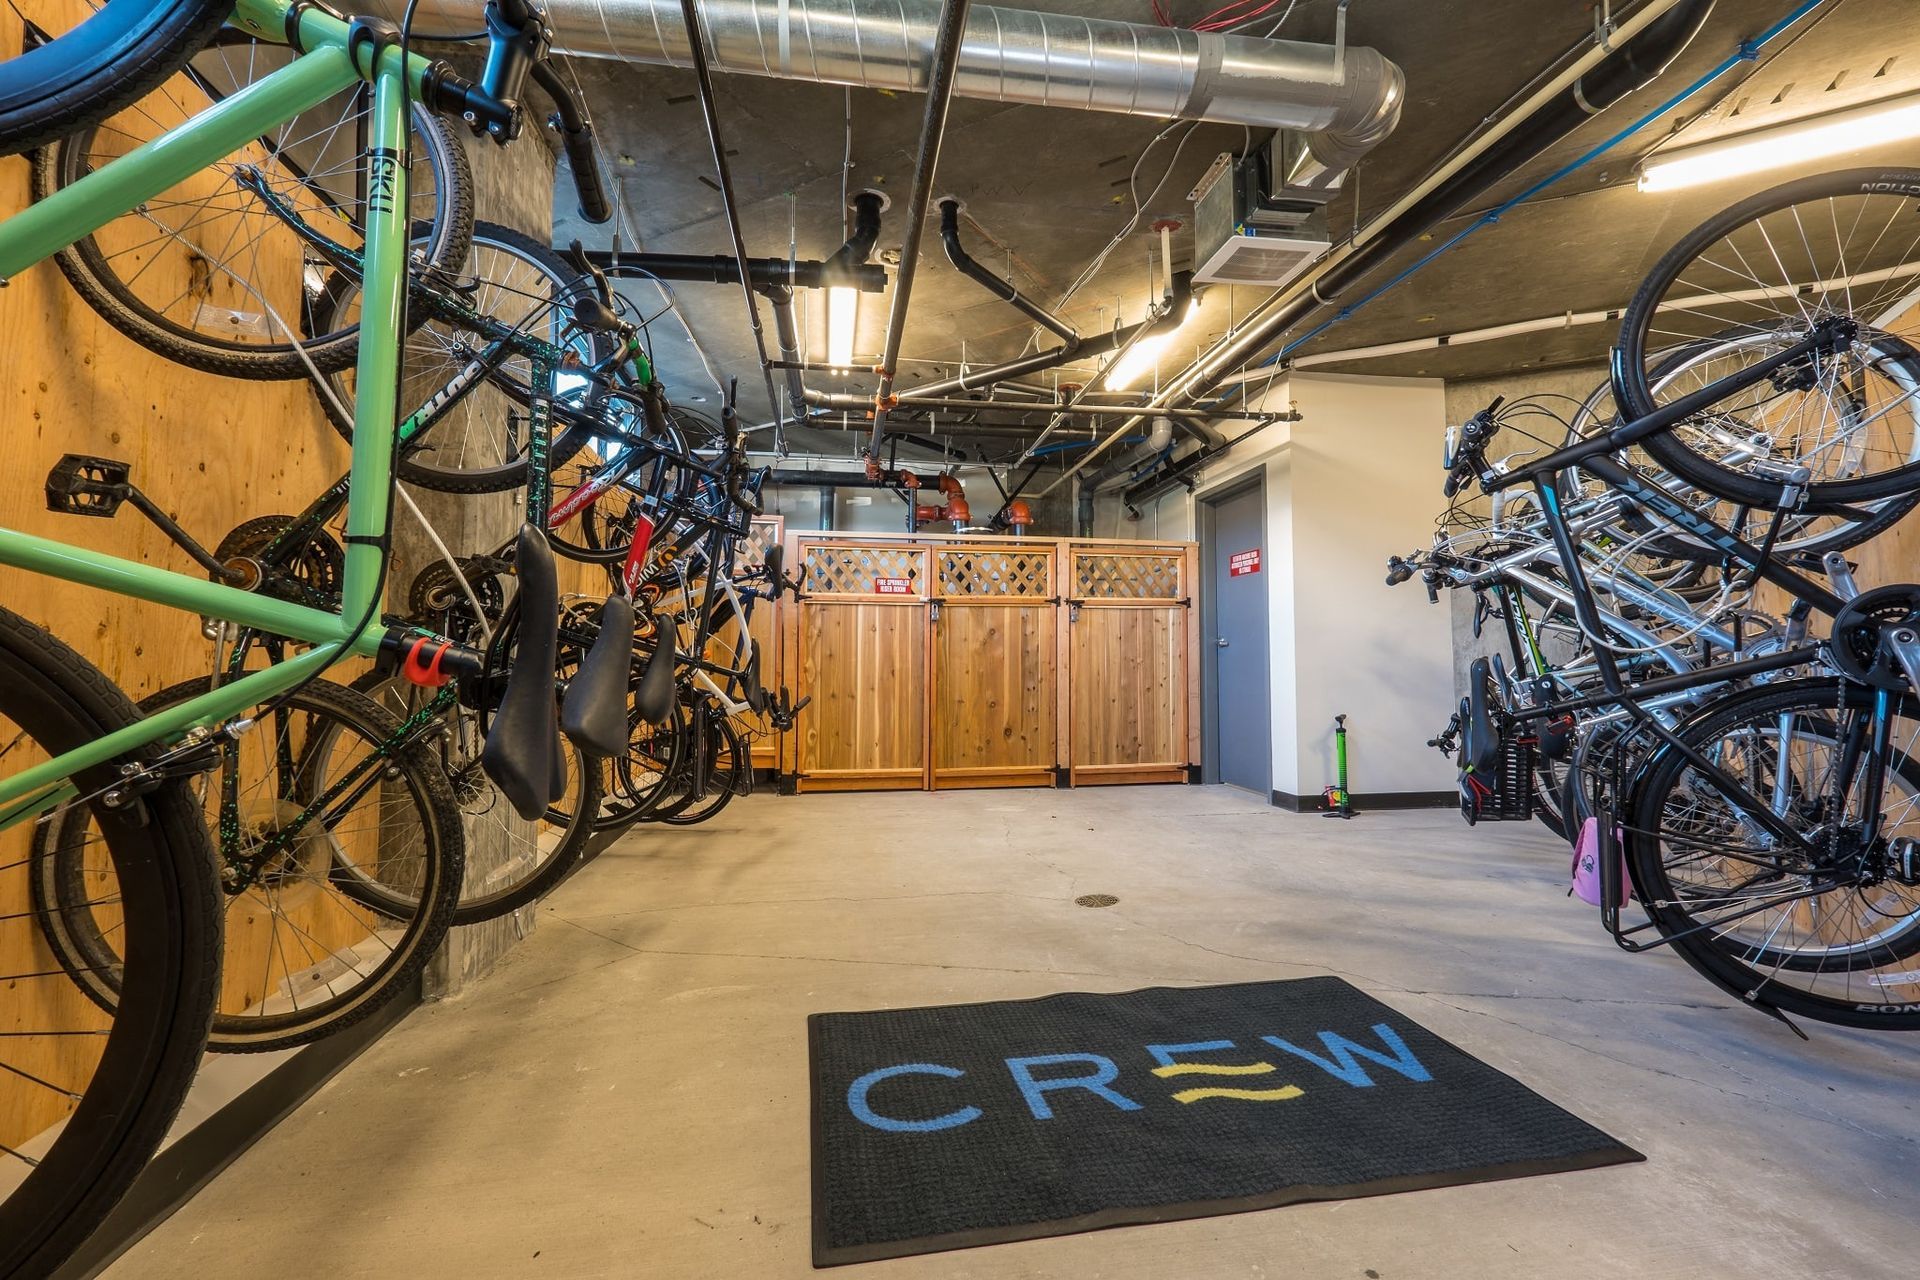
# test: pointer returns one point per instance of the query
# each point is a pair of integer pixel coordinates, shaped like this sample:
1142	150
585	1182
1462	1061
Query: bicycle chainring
310	573
436	595
1855	644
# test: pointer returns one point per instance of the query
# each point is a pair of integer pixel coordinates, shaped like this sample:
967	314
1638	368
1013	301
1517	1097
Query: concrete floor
626	1095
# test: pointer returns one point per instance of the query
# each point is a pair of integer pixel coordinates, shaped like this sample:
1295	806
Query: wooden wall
212	452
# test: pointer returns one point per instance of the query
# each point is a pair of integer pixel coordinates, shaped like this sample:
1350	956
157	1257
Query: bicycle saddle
653	697
1479	735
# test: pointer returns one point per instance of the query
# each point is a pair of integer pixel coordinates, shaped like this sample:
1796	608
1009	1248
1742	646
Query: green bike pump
1339	800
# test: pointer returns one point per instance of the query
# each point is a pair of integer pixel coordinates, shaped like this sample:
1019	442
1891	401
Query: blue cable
1748	50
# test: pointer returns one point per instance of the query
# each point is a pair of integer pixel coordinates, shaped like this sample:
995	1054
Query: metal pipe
944	404
1348	99
720	268
710	113
787	334
1639	47
1090	345
933	131
1004	290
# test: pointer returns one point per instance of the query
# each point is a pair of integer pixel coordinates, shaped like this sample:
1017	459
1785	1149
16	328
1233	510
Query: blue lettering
857	1100
1164	1054
1344	1051
1035	1091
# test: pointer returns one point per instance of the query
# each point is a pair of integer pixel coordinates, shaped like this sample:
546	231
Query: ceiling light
843	311
1145	354
1855	129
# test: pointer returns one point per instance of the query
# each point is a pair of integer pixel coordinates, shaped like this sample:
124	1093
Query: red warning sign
893	586
1243	562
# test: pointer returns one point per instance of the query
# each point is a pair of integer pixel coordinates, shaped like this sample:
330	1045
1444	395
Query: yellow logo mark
1239	1069
1248	1095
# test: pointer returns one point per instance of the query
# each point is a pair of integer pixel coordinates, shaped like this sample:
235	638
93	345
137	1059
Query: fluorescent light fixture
1144	355
1854	129
843	312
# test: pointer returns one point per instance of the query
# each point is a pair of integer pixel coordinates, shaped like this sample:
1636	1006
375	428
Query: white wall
1356	480
1366	485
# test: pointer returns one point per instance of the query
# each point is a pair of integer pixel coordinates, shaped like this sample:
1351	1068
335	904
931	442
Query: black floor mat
944	1128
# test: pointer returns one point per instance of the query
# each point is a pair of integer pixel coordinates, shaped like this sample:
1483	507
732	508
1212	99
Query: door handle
1222	642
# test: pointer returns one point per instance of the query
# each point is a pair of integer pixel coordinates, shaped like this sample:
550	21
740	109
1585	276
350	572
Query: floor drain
1095	900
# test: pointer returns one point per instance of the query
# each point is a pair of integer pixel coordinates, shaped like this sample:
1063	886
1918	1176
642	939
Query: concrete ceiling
1046	189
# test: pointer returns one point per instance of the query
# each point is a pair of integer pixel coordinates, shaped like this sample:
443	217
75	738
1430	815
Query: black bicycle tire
443	838
122	1118
638	804
692	811
86	269
1632	385
1648	873
566	853
512	475
92	71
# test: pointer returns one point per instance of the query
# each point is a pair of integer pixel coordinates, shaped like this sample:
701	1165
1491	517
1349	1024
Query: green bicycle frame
325	67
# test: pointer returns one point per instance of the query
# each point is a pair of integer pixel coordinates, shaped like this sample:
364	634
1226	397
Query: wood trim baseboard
1378	800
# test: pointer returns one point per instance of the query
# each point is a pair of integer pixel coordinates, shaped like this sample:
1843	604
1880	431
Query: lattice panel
864	571
1099	575
995	573
761	534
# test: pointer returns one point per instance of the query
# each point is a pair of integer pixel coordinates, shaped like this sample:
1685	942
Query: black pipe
867	207
1093	345
1176	471
928	442
1629	67
717	268
1004	290
710	112
933	131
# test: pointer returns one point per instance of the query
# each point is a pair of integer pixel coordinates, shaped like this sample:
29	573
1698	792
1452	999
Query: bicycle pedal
82	485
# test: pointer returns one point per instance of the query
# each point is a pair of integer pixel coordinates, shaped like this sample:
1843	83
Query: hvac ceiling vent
1248	229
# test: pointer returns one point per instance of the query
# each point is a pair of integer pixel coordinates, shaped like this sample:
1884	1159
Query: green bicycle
89	1086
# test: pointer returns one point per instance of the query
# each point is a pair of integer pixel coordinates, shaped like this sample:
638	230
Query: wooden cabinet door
862	641
1127	659
993	703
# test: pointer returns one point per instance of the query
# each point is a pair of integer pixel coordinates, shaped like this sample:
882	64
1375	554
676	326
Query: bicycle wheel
207	273
478	443
1767	271
95	67
1676	559
644	775
1829	935
339	854
510	861
727	773
86	1094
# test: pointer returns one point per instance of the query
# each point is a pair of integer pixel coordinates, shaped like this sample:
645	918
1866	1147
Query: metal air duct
1347	98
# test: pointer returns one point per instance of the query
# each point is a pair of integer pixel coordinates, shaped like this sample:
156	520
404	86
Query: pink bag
1586	864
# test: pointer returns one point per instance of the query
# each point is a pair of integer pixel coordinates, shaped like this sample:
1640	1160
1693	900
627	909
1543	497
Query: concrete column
513	186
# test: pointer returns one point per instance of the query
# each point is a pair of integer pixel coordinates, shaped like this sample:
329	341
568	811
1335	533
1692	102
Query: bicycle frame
330	62
1593	455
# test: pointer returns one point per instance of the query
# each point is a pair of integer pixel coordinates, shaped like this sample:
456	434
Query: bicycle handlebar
576	137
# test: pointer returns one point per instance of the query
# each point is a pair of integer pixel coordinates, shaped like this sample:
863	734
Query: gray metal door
1239	643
